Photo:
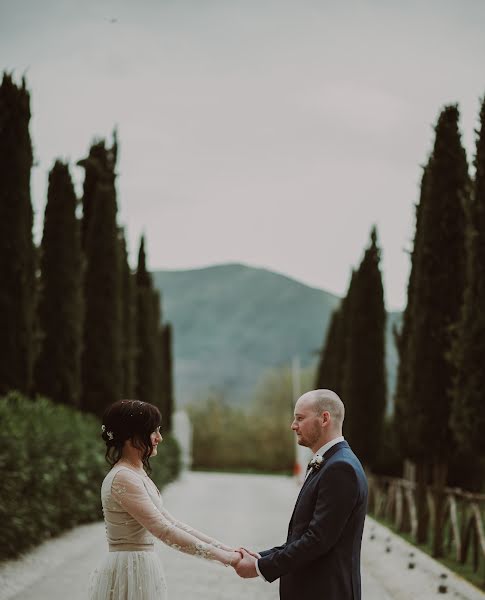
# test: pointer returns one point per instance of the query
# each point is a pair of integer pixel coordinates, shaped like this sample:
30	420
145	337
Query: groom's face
307	424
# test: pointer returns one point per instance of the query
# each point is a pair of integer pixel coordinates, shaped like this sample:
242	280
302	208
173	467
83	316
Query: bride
134	514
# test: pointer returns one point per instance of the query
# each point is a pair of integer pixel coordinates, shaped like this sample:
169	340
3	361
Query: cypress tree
156	316
364	384
328	370
437	298
331	368
438	289
101	361
406	408
128	329
17	255
166	377
58	367
468	407
148	313
98	166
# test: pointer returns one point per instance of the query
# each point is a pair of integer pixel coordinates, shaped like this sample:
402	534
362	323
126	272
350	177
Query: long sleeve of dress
198	534
130	493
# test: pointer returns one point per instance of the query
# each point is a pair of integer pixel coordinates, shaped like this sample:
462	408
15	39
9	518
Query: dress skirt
129	575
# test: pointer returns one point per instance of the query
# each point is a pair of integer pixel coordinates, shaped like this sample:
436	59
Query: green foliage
128	328
329	369
166	377
148	324
17	257
167	464
364	382
260	439
60	310
51	467
388	460
99	166
332	365
468	407
405	409
438	291
102	355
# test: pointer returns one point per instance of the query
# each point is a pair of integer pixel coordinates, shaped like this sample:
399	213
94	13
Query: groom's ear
326	418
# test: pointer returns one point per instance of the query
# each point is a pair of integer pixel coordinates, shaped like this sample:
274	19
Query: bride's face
155	438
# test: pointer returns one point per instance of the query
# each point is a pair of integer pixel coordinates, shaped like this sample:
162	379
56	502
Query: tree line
256	438
439	418
78	325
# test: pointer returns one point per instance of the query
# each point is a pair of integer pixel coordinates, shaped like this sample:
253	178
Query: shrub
256	439
51	468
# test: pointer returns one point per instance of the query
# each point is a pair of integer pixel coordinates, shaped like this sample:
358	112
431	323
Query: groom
321	556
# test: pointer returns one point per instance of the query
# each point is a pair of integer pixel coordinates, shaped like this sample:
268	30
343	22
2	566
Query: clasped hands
245	567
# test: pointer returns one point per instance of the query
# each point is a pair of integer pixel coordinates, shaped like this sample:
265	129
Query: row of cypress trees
442	341
440	398
78	326
439	416
353	356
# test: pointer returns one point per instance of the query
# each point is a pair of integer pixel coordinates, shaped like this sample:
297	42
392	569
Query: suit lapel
311	475
313	472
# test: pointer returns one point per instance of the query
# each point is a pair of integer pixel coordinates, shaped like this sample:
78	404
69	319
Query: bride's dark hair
129	420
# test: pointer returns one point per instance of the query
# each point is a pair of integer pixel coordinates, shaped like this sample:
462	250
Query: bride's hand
254	554
234	557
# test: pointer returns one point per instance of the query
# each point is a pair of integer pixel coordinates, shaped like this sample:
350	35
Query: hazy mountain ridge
233	322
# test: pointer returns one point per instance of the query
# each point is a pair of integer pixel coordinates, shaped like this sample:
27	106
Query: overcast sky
268	132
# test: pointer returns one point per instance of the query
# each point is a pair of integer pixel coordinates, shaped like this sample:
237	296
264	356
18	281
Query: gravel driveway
247	510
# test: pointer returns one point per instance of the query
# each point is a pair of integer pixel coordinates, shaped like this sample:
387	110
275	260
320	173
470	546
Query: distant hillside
233	322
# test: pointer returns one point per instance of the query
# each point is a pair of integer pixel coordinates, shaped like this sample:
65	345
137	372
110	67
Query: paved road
241	510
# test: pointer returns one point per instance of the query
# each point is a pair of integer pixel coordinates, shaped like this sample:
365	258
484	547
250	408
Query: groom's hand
246	567
255	554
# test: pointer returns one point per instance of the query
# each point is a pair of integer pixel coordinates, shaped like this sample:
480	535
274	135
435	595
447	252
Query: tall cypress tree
147	333
128	329
156	332
58	367
438	289
101	361
329	367
364	385
437	298
166	377
99	167
405	404
468	407
17	255
407	410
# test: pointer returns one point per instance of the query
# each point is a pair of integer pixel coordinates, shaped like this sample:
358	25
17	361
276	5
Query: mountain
234	322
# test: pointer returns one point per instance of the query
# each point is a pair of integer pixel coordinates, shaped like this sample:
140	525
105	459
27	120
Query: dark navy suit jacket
321	557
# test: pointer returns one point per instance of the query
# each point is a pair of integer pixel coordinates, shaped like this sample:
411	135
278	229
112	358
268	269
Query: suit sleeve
337	496
268	552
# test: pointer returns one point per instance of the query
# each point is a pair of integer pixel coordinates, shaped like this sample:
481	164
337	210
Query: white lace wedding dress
134	517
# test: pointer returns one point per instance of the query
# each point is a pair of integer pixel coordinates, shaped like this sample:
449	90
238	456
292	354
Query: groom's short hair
329	401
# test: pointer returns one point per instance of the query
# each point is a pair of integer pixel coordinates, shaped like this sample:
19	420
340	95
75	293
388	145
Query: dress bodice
123	530
134	516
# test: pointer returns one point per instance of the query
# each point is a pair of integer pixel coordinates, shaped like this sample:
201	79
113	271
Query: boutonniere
316	462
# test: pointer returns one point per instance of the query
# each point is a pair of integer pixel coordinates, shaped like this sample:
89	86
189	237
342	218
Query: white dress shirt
325	448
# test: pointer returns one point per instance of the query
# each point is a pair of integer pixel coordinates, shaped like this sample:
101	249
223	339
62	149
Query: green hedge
51	468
